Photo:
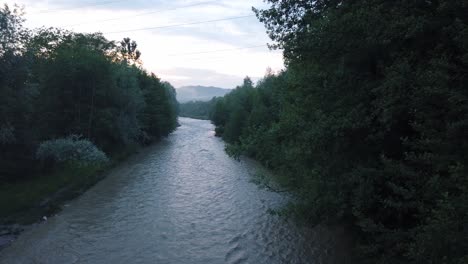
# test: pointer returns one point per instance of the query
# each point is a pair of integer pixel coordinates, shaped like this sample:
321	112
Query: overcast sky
215	53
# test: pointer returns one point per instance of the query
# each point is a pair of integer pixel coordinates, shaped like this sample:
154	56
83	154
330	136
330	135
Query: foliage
26	201
128	50
7	135
12	32
197	109
368	121
55	83
72	149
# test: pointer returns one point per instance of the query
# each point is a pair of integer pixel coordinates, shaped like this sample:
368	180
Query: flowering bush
71	149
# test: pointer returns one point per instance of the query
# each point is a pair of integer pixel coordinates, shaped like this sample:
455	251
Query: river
182	200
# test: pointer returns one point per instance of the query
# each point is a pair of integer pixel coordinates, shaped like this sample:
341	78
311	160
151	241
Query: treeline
67	96
369	122
197	109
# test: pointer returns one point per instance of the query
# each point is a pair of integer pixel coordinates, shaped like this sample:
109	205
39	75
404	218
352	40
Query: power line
141	14
77	7
211	59
179	25
213	51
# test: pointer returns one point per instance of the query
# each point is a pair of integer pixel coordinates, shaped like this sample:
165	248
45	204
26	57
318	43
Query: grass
27	201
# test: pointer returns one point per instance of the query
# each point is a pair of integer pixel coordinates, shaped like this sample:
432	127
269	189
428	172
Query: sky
186	42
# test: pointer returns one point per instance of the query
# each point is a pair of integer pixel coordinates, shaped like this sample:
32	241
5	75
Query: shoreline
12	226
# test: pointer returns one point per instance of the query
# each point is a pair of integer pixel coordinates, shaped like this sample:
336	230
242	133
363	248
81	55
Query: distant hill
199	93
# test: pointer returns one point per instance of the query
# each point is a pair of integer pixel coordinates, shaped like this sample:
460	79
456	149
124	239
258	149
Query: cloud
189	76
216	49
243	32
137	5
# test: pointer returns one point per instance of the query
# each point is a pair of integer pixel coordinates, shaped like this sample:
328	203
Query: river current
182	200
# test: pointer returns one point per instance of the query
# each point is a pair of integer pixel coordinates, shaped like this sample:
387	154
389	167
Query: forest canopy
197	109
368	123
63	90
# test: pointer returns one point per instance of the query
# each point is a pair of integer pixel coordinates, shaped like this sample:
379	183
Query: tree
16	94
56	83
128	51
369	123
12	34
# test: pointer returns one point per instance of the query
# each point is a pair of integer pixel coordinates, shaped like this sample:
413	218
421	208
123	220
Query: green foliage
159	117
368	121
128	50
28	200
197	109
229	111
72	149
7	135
11	30
55	83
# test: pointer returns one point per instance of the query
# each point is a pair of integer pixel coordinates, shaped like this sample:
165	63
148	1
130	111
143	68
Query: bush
7	134
71	149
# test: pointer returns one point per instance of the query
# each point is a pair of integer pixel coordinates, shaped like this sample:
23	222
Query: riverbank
182	200
26	203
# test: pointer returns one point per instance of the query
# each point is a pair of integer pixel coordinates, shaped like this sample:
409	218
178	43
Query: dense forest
197	109
73	98
368	123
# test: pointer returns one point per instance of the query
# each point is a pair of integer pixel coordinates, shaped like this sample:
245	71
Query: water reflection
181	201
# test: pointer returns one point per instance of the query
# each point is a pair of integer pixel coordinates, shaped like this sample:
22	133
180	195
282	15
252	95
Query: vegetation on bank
69	104
197	109
368	122
29	200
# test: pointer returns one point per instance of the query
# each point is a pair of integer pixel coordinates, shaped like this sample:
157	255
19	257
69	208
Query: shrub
7	134
71	149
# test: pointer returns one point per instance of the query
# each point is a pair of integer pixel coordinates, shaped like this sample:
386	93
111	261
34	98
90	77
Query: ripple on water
180	201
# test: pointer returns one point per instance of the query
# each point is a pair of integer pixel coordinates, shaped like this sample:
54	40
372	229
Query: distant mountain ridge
199	93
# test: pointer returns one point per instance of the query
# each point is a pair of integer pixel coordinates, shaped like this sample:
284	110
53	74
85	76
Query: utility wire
141	14
77	7
179	25
211	59
213	51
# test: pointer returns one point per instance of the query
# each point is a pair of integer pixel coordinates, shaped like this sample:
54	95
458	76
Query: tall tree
128	50
371	121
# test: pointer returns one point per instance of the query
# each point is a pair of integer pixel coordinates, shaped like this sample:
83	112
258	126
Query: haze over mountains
199	93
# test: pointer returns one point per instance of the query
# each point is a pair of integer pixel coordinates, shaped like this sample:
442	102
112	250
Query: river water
180	201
